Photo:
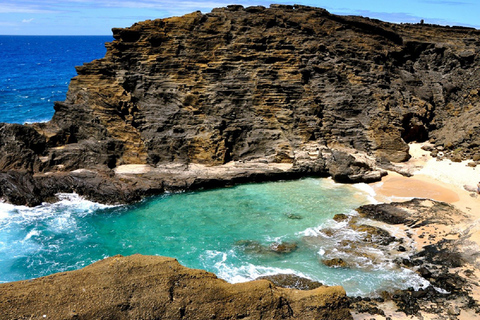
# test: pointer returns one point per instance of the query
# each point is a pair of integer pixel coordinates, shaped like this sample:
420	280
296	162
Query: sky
98	17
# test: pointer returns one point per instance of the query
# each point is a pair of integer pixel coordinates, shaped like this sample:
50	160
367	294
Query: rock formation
427	240
149	287
287	85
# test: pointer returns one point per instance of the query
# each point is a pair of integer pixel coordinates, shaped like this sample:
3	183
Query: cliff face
249	83
286	84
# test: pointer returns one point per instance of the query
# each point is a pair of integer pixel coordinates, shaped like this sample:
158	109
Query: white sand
438	180
133	169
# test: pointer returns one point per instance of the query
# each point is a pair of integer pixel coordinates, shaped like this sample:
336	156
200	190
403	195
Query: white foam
245	272
365	188
20	226
31	234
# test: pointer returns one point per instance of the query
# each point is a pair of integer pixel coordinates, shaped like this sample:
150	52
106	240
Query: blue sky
89	17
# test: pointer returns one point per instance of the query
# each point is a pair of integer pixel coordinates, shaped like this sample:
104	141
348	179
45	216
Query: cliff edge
150	287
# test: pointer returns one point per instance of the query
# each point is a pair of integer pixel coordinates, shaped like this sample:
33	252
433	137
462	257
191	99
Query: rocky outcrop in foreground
149	287
286	91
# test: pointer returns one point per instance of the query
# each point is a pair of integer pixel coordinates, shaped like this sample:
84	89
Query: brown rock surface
149	287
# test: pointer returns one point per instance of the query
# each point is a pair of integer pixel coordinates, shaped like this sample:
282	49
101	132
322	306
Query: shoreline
440	180
397	188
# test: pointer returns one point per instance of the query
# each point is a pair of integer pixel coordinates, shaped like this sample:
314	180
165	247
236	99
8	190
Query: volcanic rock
291	281
336	263
149	287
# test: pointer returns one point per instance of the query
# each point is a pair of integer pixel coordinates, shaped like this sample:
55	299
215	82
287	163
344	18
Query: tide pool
227	231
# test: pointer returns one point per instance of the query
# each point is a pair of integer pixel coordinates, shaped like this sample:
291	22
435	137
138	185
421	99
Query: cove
229	231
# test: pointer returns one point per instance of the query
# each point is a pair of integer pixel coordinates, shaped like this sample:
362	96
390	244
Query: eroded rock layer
285	85
149	287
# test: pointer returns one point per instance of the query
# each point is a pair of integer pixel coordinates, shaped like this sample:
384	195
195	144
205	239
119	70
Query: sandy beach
445	181
441	180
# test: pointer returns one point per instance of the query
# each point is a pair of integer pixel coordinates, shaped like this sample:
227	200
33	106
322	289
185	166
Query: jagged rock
414	213
339	217
335	262
283	247
374	234
20	148
150	287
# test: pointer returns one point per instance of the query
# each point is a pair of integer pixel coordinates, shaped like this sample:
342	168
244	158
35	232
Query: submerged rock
446	263
336	262
339	217
294	216
283	247
374	234
251	246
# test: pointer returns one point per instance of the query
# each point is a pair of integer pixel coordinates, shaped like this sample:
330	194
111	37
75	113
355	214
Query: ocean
35	71
229	231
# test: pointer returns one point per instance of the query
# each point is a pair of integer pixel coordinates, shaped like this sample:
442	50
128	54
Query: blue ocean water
35	71
213	230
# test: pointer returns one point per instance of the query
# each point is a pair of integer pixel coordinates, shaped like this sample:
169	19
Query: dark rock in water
335	263
339	217
256	247
294	216
292	281
375	234
251	246
292	86
283	247
445	263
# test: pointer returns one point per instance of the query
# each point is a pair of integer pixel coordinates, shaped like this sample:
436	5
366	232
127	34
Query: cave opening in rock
414	129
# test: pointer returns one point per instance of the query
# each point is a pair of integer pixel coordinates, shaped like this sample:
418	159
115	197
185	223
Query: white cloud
27	20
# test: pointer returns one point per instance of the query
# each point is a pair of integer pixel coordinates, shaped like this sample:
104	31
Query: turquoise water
226	231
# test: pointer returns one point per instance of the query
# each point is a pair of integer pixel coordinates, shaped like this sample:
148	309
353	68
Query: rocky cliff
293	88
